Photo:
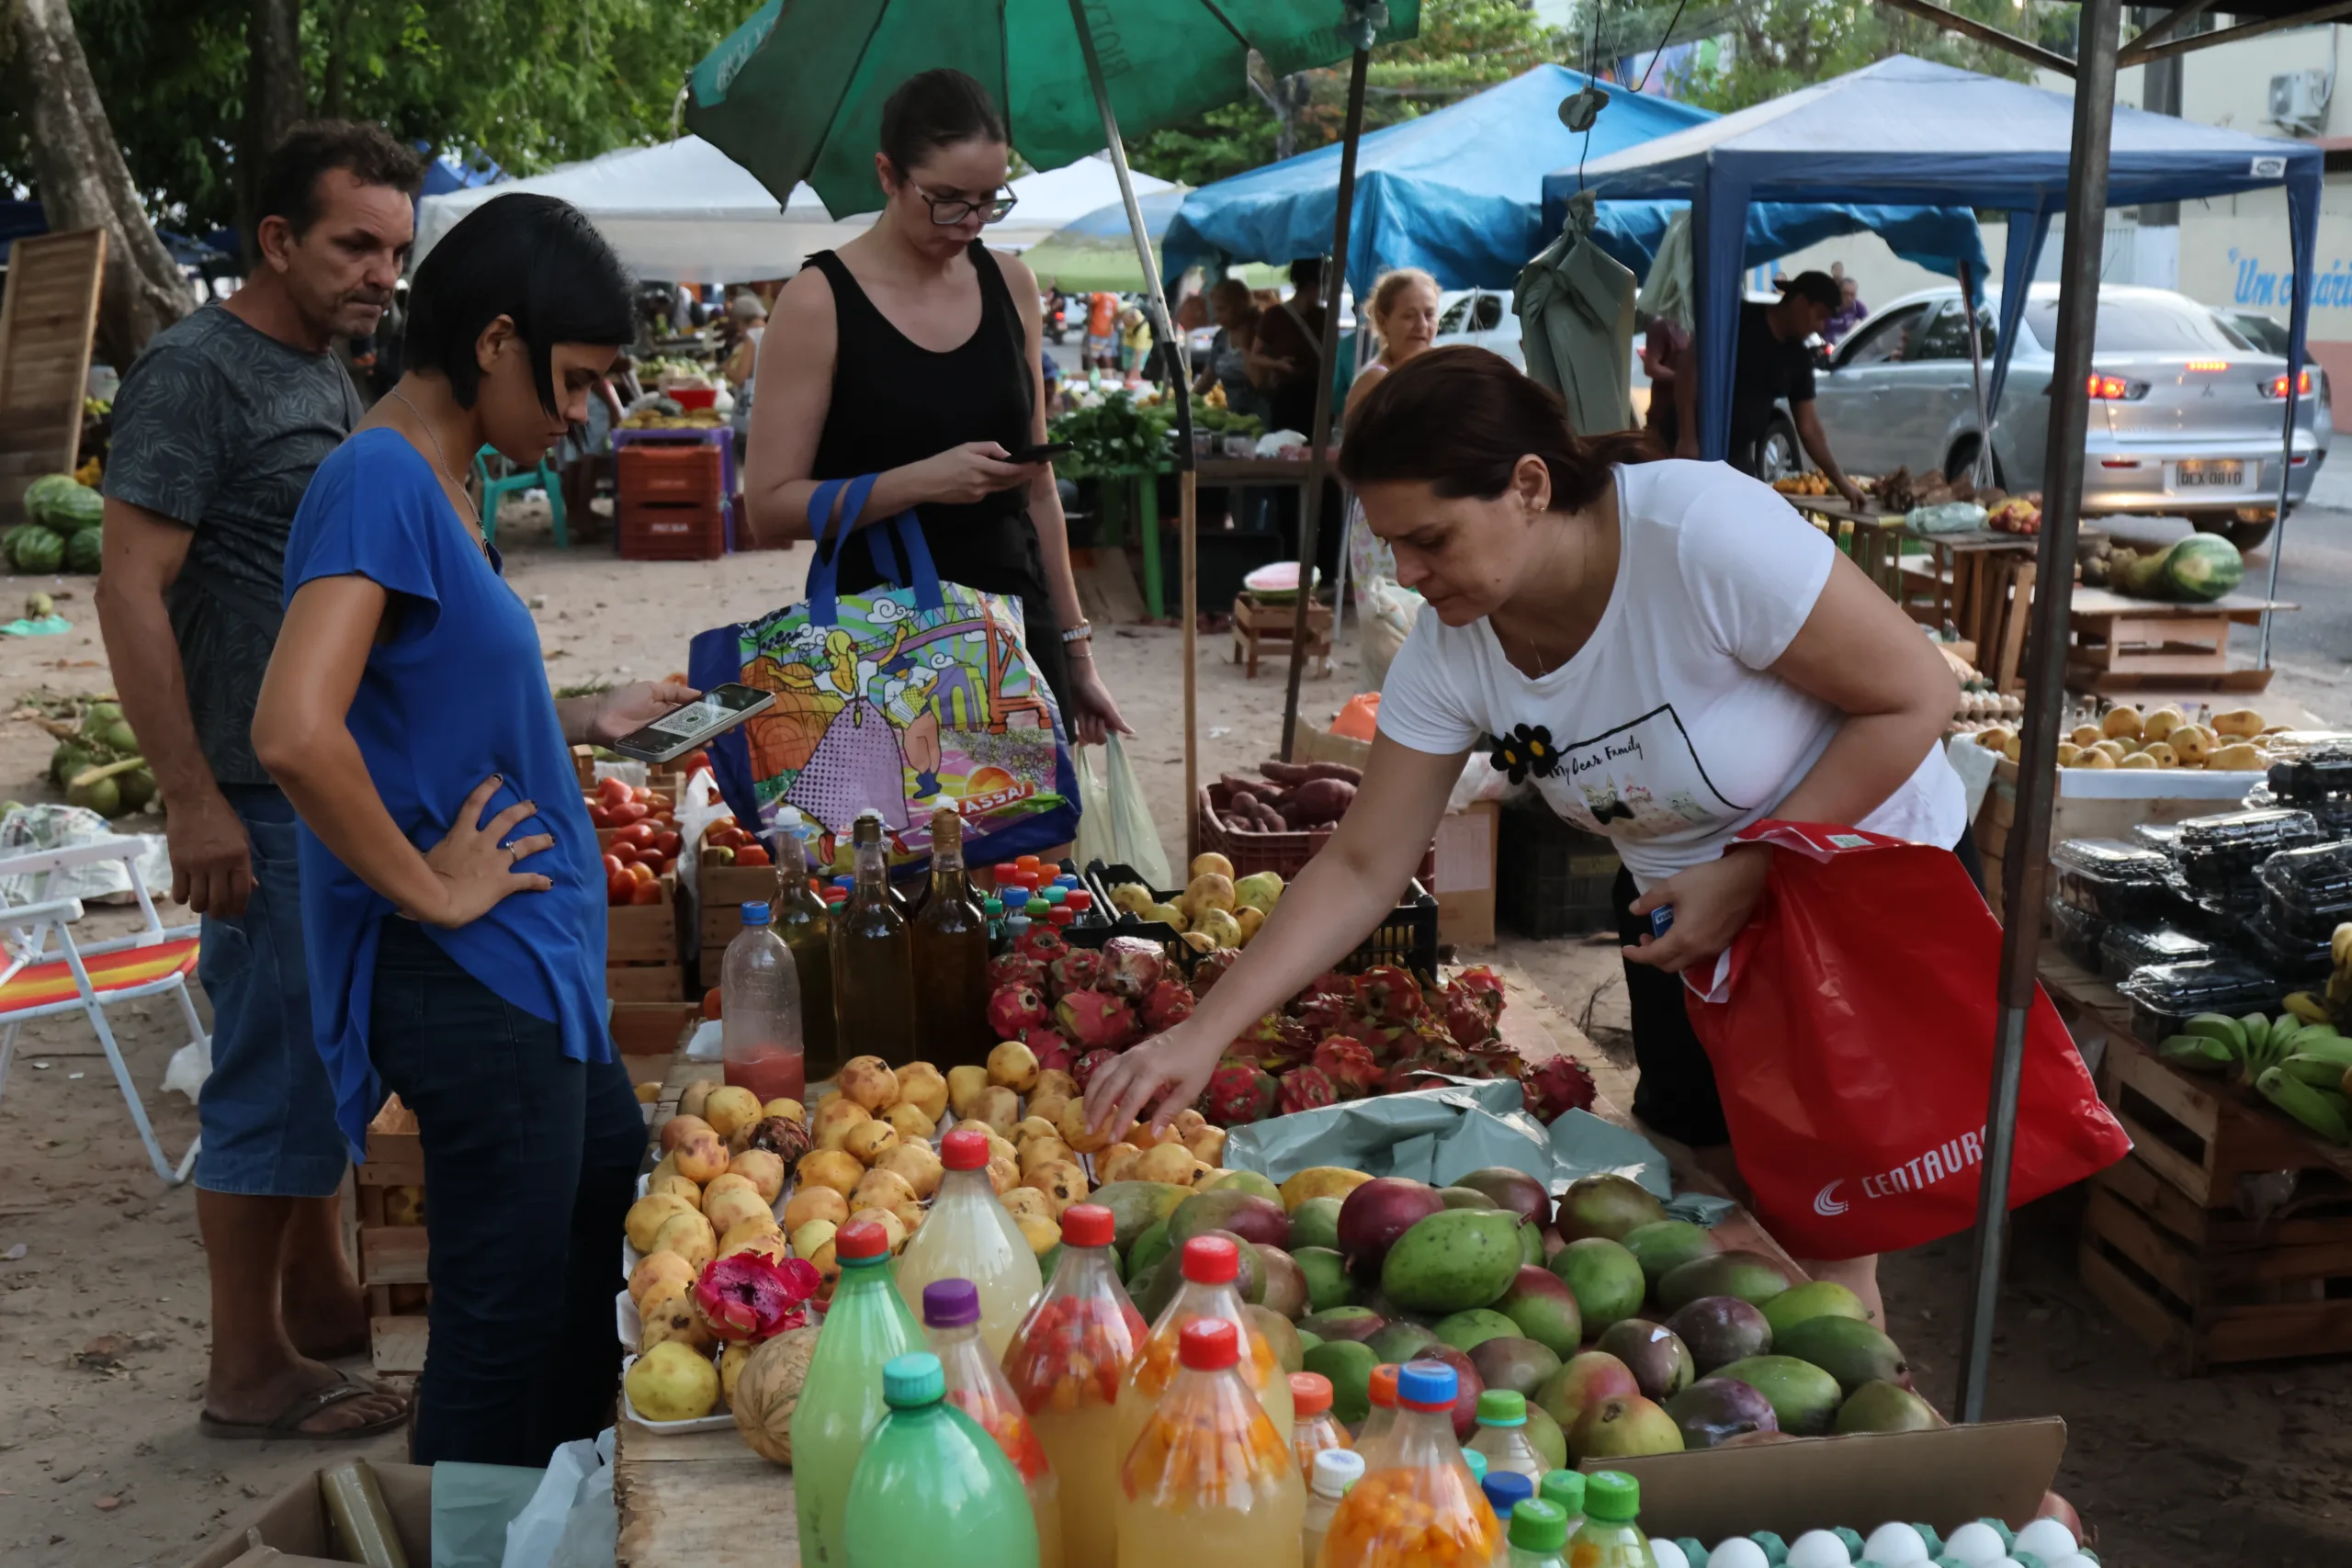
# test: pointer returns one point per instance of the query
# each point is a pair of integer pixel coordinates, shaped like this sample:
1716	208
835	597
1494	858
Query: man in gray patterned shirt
217	431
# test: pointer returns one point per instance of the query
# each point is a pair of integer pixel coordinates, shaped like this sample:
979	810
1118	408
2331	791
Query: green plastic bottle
1539	1531
933	1485
841	1400
1608	1537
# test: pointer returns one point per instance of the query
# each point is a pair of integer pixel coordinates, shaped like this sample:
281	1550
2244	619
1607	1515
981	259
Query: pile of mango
2297	1061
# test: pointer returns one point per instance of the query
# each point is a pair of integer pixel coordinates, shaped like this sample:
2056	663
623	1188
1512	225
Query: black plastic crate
1406	937
1552	879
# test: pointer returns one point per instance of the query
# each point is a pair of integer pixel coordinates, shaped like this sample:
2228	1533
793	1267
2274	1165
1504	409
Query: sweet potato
1309	772
1244	800
1235	784
1271	820
1323	800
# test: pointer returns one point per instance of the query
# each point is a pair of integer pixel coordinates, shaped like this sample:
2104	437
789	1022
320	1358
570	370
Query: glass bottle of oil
951	955
873	981
805	922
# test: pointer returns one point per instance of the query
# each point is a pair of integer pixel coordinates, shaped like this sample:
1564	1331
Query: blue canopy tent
1905	130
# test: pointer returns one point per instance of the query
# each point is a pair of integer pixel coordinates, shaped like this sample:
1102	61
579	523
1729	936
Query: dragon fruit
1046	1044
1408	1072
1386	994
1305	1088
1554	1087
1015	1008
1330	983
1238	1093
1275	1042
1348	1065
746	1296
1041	943
1132	965
1078	969
1323	1013
1467	1021
1211	966
782	1136
1013	969
1481	985
1096	1019
1092	1063
1167	1004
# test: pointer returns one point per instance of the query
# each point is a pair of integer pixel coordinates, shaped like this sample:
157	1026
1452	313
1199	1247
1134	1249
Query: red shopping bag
1851	1027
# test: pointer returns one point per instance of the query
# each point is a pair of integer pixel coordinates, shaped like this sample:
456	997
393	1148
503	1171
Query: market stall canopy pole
2045	678
2302	230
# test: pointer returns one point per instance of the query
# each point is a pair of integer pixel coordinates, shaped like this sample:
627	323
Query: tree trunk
274	100
81	180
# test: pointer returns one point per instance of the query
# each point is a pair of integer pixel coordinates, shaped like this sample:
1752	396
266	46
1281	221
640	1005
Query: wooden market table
2123	645
704	1498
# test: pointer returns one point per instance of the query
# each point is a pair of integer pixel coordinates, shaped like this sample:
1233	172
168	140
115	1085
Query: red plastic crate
684	472
661	531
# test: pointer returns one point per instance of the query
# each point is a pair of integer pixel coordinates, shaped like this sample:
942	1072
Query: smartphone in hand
682	730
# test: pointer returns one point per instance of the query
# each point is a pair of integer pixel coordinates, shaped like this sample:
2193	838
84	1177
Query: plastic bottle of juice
1381	1420
951	1319
1502	1435
951	950
969	1236
1336	1470
932	1486
1417	1504
874	975
1210	1479
1066	1362
759	996
1565	1489
1538	1533
1315	1427
805	922
840	1400
1608	1538
1210	1266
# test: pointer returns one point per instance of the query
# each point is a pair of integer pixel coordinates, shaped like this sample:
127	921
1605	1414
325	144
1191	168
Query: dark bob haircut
533	259
933	109
1460	419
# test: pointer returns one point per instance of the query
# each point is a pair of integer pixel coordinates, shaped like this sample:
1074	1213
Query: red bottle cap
1079	899
1006	875
1087	1225
1211	1260
1383	1385
836	896
1026	878
1061	915
1207	1344
1310	1393
965	1148
860	1240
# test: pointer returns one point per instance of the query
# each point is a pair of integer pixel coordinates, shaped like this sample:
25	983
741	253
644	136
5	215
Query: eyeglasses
946	211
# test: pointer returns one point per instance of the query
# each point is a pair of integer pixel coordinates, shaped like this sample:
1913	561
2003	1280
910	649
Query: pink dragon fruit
1078	969
1211	966
1015	1007
1467	1021
1386	994
1041	943
1093	1019
1237	1094
1046	1044
1348	1065
1305	1088
1275	1042
1092	1063
1132	965
1481	985
1330	983
1410	1073
1554	1087
1167	1004
1011	968
1323	1013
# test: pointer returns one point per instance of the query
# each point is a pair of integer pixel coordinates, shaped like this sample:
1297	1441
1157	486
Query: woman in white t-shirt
1665	648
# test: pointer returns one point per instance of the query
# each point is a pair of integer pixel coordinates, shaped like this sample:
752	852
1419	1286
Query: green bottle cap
1612	1495
913	1379
1539	1526
1565	1487
1036	908
1478	1463
1501	1407
993	906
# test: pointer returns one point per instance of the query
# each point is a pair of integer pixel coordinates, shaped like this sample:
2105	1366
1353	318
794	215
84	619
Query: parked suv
2184	407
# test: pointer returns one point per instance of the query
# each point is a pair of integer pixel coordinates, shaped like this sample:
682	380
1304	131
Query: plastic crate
1284	854
1552	879
1406	937
673	472
653	530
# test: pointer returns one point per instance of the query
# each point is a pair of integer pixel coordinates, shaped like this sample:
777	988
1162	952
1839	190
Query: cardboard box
1944	1477
291	1530
1465	878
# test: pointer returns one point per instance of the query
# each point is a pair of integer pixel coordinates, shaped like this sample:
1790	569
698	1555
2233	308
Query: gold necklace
1543	667
442	457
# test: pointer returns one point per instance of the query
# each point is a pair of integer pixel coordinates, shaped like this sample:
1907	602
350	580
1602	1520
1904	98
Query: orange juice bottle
1066	1363
1210	1479
1317	1428
951	1321
1211	1264
1417	1504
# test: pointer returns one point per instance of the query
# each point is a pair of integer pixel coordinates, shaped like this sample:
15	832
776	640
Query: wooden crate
1255	624
652	1029
646	983
720	895
643	950
2202	1133
47	315
392	1257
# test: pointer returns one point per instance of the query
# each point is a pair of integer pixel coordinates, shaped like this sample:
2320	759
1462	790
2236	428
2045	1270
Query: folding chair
514	482
40	982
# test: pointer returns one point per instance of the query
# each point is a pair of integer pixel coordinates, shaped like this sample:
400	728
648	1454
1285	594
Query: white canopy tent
684	212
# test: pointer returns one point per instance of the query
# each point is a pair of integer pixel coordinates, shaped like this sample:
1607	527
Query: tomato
614	866
642	872
694	763
734	838
710	1002
638	833
611	791
624	854
662	805
668	842
619	887
751	854
598	816
641	794
646	893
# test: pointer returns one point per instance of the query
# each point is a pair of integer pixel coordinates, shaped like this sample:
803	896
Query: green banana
2219	1026
2327	1047
2304	1103
2316	1071
2307	1006
2322	1030
2197	1053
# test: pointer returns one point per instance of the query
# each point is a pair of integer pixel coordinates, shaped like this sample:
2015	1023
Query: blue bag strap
822	571
925	576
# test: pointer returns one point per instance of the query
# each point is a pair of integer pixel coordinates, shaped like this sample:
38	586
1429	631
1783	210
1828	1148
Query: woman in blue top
453	895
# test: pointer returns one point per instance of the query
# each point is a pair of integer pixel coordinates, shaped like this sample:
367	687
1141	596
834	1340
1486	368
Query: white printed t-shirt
1665	730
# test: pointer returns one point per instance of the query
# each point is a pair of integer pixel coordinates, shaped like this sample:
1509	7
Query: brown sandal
287	1423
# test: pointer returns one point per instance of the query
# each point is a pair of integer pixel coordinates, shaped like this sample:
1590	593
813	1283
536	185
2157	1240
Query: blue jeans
530	1165
267	1111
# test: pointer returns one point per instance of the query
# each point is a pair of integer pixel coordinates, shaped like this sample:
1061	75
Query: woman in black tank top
913	352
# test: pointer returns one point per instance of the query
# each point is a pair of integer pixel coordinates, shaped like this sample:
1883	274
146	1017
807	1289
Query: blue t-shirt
458	694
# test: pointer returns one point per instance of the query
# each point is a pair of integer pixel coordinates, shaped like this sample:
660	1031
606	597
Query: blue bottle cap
1427	1385
1055	894
755	912
912	1380
844	882
1505	1488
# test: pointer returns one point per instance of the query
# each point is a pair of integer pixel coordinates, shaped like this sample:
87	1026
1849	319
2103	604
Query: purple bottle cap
950	1303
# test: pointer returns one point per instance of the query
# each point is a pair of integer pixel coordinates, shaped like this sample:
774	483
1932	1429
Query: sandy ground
102	1288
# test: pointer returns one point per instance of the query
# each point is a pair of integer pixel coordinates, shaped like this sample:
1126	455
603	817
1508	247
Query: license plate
2199	474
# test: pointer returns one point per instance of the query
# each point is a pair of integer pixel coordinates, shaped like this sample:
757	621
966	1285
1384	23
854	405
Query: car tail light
2277	386
2117	388
2208	365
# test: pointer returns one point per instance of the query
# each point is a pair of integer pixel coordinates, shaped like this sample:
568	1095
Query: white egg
1896	1545
1738	1553
1979	1545
2073	1560
2047	1539
1666	1554
1818	1549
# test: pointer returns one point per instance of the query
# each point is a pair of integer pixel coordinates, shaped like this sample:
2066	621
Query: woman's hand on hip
475	862
1094	714
1711	903
973	471
625	710
1153	1081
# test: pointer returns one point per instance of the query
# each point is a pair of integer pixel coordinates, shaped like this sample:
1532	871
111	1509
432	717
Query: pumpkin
767	1392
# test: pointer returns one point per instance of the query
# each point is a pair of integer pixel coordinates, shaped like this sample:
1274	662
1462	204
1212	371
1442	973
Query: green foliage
1778	46
1115	435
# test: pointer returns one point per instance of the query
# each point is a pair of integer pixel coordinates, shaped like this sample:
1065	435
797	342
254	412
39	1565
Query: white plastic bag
1113	825
30	827
534	1535
699	807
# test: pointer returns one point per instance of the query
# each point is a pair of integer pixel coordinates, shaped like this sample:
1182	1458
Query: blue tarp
1461	192
1905	130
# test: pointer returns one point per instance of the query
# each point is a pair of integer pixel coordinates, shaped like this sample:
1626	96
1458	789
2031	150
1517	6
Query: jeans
531	1164
266	1111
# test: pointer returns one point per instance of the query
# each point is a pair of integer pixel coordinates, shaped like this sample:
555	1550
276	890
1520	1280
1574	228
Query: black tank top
895	402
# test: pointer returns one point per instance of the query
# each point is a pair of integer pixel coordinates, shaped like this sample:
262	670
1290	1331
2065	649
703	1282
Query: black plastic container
2219	855
2165	997
2126	949
2076	932
2111	879
2307	893
2321	773
2298	965
2160	836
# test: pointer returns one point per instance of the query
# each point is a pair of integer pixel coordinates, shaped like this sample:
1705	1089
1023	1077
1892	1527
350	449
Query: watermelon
67	509
2202	568
36	549
47	491
82	550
